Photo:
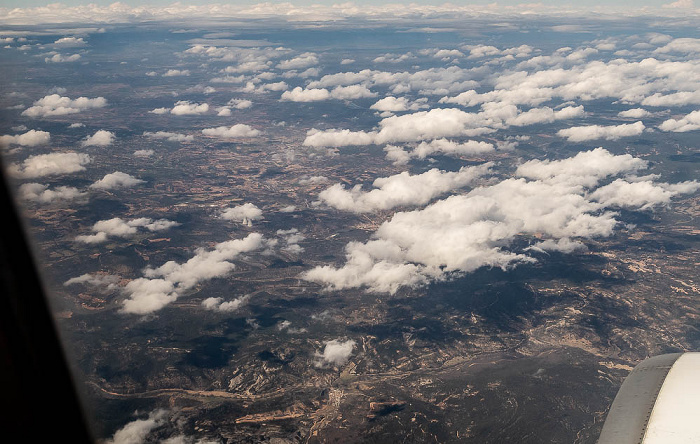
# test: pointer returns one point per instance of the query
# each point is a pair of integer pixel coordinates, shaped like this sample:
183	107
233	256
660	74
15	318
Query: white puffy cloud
143	153
689	122
60	58
137	431
682	45
593	132
49	165
176	73
116	180
218	304
70	42
223	111
96	280
291	239
160	111
41	193
250	87
234	132
118	227
242	213
56	105
169	136
400	190
240	103
300	94
100	138
634	113
185	108
336	353
305	60
553	200
30	138
584	169
394	104
640	194
680	4
440	123
163	285
351	92
444	146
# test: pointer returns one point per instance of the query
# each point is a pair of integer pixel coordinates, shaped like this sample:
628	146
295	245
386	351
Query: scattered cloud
169	136
50	165
560	202
218	304
100	138
234	132
137	431
116	180
593	132
336	353
143	153
242	213
185	108
118	227
60	58
305	60
163	285
689	122
56	105
176	73
30	138
400	190
41	193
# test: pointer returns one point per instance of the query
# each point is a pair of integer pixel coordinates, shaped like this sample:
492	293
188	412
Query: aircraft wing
659	402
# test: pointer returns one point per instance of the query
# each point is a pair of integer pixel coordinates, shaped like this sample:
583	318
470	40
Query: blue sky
631	3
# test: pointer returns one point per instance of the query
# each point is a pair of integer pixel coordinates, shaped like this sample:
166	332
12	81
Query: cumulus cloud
143	153
107	281
305	60
240	103
60	58
690	122
336	353
169	136
234	132
30	138
350	92
116	180
634	113
118	227
163	285
557	201
218	304
400	190
137	431
242	213
593	132
641	194
300	94
160	111
100	138
291	239
56	105
185	108
440	123
394	104
41	193
176	73
49	165
70	42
